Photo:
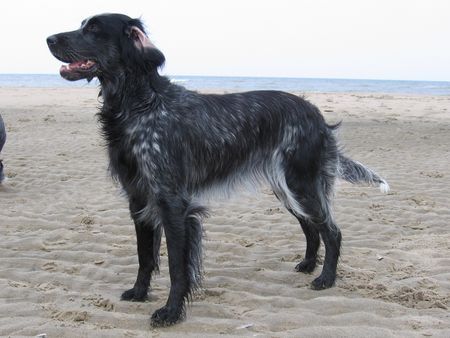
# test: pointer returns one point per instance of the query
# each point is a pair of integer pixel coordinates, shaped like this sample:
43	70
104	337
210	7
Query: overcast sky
360	39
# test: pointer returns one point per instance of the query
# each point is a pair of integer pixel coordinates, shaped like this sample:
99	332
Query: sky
356	39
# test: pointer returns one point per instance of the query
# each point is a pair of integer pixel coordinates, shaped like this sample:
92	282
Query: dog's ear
139	38
139	49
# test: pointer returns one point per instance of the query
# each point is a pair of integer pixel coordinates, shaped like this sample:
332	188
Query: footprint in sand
50	266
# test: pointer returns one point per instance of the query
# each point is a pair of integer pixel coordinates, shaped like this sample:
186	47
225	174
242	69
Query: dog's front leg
148	243
173	212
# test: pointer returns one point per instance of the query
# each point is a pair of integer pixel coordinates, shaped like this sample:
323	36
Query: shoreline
242	83
230	91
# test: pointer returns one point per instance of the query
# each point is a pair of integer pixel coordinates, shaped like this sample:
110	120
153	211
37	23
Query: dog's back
225	133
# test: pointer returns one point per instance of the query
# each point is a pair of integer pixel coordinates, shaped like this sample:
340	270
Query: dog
168	146
2	143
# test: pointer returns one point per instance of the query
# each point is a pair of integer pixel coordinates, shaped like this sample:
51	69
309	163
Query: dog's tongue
78	70
77	65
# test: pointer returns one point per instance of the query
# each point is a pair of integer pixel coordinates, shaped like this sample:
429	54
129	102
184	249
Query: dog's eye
92	28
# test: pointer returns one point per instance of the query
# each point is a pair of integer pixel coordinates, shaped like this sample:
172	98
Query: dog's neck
126	97
121	92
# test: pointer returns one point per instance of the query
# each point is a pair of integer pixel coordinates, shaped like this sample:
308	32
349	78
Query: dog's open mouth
78	70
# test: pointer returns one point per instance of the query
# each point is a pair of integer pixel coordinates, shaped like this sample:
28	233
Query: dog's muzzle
76	69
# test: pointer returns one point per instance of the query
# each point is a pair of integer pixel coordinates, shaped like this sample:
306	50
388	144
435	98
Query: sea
306	85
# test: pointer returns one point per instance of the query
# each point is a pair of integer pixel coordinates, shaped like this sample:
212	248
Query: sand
68	246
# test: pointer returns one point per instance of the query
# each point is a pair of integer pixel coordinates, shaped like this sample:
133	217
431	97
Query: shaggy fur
168	146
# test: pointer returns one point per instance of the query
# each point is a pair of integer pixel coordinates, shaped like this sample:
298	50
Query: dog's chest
140	150
143	138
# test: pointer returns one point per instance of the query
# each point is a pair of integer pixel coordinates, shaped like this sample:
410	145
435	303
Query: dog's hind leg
308	264
312	196
312	235
309	179
183	231
331	236
148	243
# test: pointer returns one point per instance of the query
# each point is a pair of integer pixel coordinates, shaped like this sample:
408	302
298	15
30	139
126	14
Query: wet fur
169	146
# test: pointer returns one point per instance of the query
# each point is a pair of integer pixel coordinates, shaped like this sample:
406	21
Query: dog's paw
166	317
306	266
135	295
322	282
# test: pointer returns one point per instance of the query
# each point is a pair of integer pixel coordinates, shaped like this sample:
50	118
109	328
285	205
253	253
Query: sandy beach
68	245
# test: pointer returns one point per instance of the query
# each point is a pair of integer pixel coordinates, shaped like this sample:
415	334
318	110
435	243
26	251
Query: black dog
168	146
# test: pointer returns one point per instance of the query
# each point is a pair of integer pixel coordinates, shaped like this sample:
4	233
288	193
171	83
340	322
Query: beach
68	247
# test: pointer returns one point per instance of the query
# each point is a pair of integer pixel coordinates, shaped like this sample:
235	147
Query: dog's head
105	46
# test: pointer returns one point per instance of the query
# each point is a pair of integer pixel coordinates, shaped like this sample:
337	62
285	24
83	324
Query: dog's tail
355	172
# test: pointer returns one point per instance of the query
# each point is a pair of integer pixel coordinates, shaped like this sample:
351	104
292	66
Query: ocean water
254	83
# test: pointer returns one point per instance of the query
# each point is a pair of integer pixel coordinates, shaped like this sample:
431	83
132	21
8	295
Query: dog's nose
51	40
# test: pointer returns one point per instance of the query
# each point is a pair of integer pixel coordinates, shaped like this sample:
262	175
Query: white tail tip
384	187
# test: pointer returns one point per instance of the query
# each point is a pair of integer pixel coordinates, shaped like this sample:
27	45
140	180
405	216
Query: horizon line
265	77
